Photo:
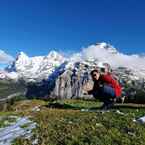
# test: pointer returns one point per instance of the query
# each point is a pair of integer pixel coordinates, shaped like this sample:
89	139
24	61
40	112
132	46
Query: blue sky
37	26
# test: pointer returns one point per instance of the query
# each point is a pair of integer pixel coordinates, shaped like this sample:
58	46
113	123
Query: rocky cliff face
70	84
63	83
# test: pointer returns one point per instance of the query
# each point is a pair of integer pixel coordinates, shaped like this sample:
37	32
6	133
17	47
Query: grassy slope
65	124
9	87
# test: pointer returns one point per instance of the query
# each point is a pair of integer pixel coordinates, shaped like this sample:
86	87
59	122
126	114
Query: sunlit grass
66	124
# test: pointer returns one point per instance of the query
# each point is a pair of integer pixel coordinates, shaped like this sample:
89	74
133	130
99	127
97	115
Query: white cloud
107	53
5	58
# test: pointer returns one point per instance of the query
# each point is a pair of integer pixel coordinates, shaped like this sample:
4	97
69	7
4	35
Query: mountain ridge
32	68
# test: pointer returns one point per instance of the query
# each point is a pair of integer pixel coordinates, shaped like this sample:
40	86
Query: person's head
104	68
107	67
95	74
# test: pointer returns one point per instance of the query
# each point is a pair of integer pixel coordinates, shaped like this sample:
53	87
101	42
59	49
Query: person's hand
88	86
85	93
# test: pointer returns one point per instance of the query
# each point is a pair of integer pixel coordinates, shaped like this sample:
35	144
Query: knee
109	91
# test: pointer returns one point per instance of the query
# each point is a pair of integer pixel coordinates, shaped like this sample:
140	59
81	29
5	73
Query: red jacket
108	80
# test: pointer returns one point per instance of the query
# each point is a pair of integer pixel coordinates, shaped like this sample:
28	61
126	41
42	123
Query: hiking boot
104	107
107	106
110	105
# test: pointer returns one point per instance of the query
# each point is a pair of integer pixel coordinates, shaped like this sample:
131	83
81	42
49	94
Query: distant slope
8	88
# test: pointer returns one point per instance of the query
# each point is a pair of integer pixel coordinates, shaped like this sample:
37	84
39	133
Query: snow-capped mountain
61	77
109	48
40	67
33	68
106	53
2	74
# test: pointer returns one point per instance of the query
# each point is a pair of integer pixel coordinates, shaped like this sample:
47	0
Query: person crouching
105	88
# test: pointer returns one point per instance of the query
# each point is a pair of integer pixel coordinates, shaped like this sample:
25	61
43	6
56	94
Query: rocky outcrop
63	84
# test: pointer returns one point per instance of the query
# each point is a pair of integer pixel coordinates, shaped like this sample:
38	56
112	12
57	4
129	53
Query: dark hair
102	70
95	70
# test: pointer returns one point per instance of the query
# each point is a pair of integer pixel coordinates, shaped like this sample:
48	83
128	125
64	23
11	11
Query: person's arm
90	92
109	79
88	88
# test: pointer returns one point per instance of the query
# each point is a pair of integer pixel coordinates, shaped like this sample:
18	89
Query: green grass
7	119
62	123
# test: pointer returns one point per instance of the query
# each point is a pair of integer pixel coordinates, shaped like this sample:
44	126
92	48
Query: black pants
105	94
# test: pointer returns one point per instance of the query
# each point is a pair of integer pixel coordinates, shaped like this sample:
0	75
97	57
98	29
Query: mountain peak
21	55
53	54
108	47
